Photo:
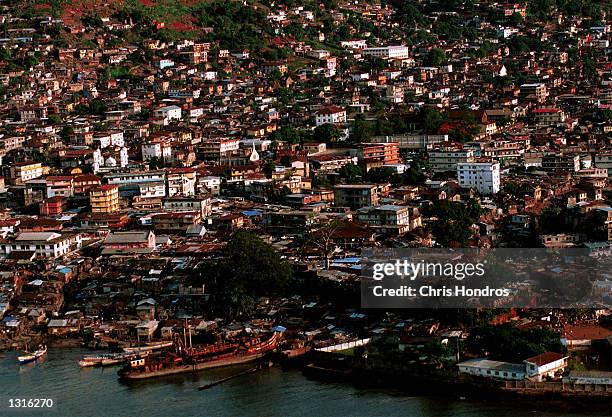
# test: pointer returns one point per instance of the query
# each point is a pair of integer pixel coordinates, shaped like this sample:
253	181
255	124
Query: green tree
416	174
454	220
362	130
383	127
249	268
382	174
97	107
435	57
285	161
327	133
552	219
509	343
321	181
431	119
268	169
55	119
287	133
66	132
350	172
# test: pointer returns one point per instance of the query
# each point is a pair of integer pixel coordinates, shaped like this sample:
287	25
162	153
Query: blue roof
252	213
352	260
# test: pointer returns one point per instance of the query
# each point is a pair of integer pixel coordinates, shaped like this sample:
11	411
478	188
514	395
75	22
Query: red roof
106	187
585	332
547	111
330	110
59	178
544	358
77	152
86	178
180	170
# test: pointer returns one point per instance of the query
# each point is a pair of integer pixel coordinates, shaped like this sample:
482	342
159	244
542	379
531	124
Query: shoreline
363	376
50	341
420	386
423	381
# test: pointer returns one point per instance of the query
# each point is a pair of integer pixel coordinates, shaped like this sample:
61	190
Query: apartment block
104	199
484	177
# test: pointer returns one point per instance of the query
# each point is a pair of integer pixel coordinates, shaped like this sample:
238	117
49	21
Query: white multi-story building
125	178
105	140
156	189
331	114
443	160
534	90
388	52
177	204
169	112
117	139
102	141
604	160
354	44
545	365
482	176
209	184
389	219
25	171
156	149
215	149
493	369
181	182
43	244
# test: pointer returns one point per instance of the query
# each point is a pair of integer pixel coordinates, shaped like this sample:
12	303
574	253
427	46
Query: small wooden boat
118	358
108	359
33	357
90	361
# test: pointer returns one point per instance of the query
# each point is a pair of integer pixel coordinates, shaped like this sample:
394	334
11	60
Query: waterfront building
493	369
545	365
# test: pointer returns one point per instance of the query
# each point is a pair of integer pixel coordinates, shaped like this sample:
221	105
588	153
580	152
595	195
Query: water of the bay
272	392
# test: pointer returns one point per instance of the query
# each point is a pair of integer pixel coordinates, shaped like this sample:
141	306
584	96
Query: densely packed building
134	143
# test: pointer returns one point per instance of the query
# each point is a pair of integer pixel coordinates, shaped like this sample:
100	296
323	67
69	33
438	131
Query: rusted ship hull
231	361
193	360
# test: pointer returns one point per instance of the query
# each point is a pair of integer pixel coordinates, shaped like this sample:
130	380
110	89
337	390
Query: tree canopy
249	268
509	343
350	172
454	220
